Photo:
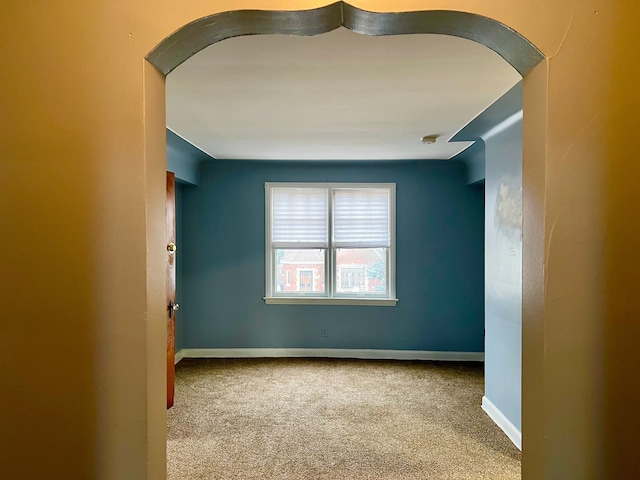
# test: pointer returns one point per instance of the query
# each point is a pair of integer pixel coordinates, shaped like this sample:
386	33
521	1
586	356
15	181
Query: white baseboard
330	353
179	356
503	422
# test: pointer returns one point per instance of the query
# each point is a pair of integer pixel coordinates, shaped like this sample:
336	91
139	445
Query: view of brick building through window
358	270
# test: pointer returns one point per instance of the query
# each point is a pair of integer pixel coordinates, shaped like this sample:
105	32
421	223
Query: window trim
330	297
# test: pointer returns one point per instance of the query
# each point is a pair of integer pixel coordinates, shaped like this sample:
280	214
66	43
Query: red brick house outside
357	270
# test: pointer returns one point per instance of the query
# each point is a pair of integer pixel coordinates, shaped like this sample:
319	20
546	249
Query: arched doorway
514	48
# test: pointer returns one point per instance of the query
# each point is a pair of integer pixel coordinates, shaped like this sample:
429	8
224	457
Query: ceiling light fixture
429	139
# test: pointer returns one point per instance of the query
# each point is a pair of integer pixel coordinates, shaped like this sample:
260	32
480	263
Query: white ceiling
336	96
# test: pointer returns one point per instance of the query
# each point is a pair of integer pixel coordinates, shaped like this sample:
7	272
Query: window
330	243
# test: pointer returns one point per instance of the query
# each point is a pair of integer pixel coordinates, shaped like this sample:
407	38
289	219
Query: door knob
173	307
172	247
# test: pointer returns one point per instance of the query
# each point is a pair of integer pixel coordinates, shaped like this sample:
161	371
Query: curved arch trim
197	35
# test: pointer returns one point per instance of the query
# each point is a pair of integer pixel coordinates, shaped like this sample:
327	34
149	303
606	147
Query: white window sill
378	302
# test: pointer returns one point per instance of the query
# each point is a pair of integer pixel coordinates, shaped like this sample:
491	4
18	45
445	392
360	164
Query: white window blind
299	218
361	218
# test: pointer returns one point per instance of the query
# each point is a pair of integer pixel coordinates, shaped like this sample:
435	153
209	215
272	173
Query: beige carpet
333	419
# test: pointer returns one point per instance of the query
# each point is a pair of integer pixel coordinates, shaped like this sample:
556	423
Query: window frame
330	297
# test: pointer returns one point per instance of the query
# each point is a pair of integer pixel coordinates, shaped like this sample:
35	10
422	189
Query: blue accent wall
440	274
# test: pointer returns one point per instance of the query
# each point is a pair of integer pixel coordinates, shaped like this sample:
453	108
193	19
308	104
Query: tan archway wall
81	175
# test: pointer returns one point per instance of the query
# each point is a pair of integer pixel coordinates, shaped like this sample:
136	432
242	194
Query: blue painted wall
503	271
499	131
474	159
440	280
183	158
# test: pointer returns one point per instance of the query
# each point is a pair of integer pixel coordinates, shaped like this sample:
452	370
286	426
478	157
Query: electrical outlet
324	332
